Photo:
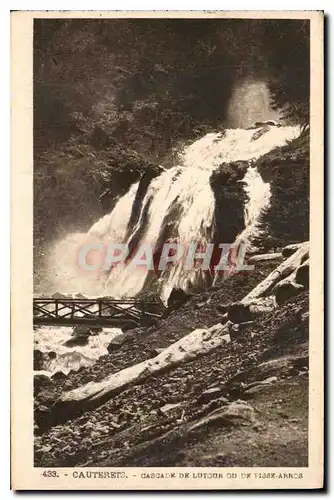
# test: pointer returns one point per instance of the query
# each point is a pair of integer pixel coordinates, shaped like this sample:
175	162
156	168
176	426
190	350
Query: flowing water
51	340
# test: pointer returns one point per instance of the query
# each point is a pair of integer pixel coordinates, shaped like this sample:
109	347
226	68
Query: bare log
192	345
264	257
282	271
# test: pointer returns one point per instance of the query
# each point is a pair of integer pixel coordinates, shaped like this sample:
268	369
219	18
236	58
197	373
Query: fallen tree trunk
282	271
192	345
264	257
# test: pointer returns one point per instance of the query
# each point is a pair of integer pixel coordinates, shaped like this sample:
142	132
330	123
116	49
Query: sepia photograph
171	207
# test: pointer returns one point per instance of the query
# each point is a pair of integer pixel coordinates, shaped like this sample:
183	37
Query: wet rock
79	340
80	331
38	360
59	376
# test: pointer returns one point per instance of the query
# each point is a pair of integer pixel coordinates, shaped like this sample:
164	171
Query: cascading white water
258	194
179	197
48	339
178	206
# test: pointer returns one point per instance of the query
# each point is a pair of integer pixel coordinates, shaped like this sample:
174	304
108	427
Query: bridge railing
99	310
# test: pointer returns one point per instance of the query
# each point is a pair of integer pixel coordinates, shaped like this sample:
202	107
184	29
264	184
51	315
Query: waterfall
178	206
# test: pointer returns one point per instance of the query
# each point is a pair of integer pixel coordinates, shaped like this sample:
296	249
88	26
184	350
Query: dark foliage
287	170
150	83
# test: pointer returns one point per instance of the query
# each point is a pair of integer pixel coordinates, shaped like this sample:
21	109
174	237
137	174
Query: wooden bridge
95	312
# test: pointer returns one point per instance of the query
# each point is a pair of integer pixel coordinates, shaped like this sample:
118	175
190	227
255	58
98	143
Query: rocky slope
226	407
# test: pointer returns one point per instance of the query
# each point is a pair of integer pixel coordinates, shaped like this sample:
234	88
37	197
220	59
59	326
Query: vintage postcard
167	250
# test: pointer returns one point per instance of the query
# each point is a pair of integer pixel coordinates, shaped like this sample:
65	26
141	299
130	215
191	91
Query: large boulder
118	341
38	360
78	340
239	313
291	249
286	291
80	330
41	381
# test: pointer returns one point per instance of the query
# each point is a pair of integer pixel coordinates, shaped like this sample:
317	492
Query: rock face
80	331
177	298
